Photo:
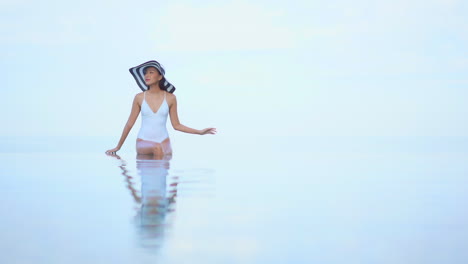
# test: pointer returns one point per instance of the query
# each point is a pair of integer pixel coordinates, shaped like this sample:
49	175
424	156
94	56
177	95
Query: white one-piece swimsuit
153	125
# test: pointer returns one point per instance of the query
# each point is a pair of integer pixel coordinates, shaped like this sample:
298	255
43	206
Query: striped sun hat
139	75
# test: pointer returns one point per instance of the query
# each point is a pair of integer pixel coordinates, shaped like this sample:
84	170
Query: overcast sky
359	68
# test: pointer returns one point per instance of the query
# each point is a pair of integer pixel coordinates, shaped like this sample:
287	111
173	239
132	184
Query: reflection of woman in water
155	103
151	218
155	199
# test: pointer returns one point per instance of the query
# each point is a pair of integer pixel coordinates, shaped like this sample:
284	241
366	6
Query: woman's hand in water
114	150
210	130
113	154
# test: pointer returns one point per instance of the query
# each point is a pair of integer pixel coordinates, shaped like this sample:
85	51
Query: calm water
255	200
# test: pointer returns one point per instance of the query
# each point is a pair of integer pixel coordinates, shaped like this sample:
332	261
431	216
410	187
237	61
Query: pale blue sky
358	68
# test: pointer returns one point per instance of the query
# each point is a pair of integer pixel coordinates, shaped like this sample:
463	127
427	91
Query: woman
155	103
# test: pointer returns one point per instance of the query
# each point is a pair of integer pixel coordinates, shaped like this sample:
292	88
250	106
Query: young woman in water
155	103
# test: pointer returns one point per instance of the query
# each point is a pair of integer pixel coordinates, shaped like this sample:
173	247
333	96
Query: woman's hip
145	146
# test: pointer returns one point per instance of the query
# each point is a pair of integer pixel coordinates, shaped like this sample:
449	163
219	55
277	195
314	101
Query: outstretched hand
111	151
210	130
113	154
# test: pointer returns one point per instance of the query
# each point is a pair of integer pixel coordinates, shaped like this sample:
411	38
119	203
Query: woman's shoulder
138	97
170	95
170	99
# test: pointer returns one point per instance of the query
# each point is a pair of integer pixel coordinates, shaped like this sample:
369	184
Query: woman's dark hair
161	83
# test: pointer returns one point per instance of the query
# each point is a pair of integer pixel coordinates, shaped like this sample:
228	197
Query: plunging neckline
144	99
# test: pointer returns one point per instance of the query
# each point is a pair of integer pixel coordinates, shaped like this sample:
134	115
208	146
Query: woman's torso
153	124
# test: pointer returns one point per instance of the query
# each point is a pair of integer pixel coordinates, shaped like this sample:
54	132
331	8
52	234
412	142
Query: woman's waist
154	125
153	130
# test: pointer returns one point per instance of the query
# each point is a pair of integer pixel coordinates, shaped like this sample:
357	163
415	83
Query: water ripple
154	190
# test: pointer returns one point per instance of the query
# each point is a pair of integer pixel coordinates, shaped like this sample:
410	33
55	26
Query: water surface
320	200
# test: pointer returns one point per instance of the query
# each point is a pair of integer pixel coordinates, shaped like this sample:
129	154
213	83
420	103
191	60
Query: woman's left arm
178	126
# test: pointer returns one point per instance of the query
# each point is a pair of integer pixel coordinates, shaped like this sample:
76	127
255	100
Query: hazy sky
246	67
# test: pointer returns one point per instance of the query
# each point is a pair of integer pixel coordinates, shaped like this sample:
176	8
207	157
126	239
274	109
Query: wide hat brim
139	75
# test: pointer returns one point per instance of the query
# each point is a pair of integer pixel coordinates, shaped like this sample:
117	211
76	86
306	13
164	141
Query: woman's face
152	76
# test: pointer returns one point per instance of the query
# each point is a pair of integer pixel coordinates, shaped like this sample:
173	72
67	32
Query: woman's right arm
128	126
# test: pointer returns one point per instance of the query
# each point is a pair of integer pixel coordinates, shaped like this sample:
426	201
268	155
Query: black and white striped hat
139	75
